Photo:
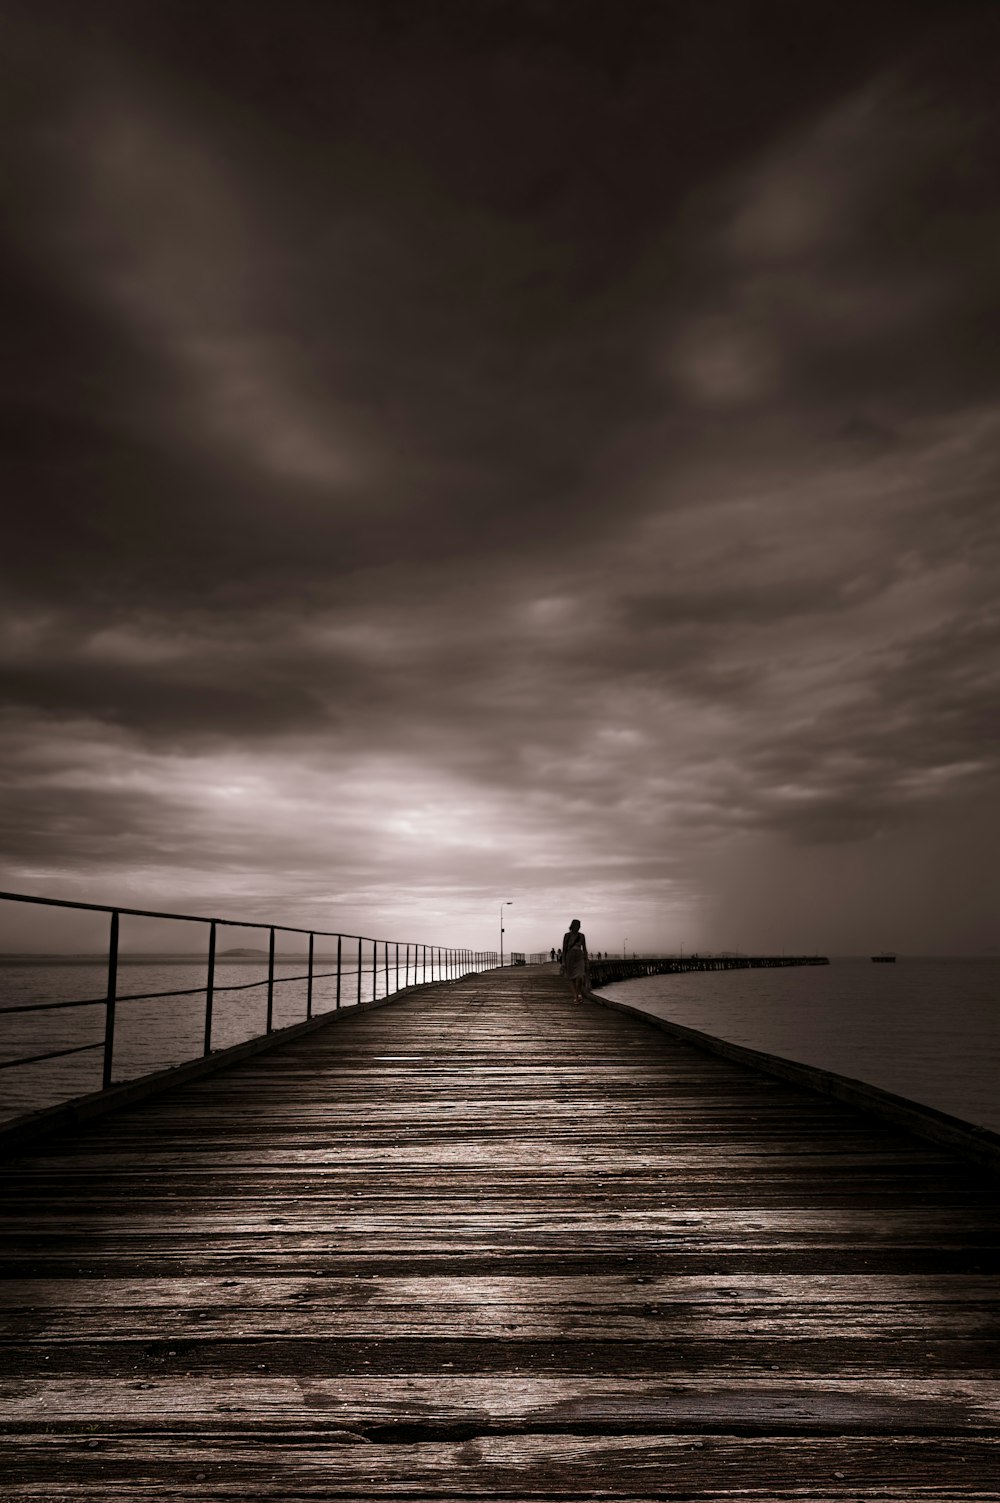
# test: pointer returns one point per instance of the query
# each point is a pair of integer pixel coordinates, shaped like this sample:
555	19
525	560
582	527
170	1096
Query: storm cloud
465	451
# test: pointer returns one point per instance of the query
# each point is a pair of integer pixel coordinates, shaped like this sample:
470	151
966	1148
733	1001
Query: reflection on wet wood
549	1253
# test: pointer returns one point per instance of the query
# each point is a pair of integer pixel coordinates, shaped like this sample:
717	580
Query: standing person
574	950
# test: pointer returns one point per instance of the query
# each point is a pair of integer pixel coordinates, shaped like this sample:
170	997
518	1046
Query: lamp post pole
509	904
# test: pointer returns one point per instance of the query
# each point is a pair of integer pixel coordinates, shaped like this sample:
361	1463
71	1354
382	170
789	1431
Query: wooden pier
628	968
484	1243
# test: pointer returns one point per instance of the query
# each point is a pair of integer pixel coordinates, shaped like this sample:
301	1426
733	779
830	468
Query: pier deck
484	1243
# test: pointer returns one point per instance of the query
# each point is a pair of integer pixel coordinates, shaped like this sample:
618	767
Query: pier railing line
615	968
387	959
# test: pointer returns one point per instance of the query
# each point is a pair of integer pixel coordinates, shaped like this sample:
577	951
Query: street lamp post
509	904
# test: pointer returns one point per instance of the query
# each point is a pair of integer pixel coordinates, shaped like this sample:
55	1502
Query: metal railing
403	963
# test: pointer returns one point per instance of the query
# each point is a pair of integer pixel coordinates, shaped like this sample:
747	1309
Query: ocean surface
926	1029
153	1033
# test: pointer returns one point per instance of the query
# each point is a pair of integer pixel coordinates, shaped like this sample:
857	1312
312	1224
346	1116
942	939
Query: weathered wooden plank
442	1406
231	1154
931	1323
421	1222
261	1258
397	1192
201	1353
478	1291
155	1309
331	1463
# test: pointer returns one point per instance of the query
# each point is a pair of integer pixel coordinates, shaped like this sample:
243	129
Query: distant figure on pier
552	954
574	949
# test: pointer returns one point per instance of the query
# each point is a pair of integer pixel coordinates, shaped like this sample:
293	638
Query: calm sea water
925	1029
153	1033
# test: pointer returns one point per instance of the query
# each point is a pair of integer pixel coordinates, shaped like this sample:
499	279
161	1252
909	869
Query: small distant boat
885	958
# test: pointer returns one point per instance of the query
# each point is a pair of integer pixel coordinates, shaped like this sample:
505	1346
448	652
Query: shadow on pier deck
484	1243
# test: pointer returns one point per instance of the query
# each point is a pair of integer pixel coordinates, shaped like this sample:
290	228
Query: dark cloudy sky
458	450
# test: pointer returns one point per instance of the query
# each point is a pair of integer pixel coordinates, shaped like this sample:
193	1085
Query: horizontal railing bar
33	1059
190	991
187	918
194	991
51	1006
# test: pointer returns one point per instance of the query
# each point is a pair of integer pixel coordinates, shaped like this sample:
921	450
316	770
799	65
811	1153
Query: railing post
309	984
109	1016
397	965
270	983
210	989
424	948
387	967
340	941
374	969
360	942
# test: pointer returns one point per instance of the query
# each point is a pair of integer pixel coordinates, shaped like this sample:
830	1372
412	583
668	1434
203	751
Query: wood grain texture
485	1243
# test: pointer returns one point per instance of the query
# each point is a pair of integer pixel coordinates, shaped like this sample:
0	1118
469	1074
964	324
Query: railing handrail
446	959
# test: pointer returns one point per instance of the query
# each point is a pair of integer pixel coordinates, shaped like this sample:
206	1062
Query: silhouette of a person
574	950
